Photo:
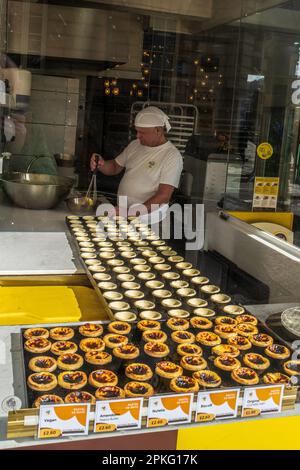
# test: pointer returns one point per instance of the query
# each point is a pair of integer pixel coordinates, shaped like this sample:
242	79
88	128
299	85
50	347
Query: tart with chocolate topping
184	384
227	363
144	325
292	367
91	330
62	347
42	381
246	329
61	333
80	396
207	378
127	351
256	361
138	389
101	377
245	318
36	333
119	327
193	362
155	336
37	345
277	351
187	349
156	349
276	378
69	361
240	342
168	370
207	338
48	399
42	364
226	349
177	324
108	392
92	344
138	371
261	340
225	331
72	380
113	340
201	323
183	337
98	358
245	376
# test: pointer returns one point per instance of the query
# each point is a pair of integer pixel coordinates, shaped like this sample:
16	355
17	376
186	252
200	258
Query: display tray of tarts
86	362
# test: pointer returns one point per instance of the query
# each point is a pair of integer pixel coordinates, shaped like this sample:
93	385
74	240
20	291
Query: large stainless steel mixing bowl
36	191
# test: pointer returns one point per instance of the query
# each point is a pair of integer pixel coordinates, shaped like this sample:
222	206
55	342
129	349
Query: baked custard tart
227	363
36	333
292	367
138	371
225	331
72	380
276	378
184	384
98	358
69	361
92	344
182	337
62	347
42	364
193	362
138	389
37	345
207	378
155	336
187	349
102	377
261	340
108	392
240	342
201	323
246	329
91	330
224	320
144	325
207	338
277	351
245	376
226	349
42	381
246	318
127	351
113	340
156	349
178	323
48	399
61	333
80	396
119	327
256	361
168	370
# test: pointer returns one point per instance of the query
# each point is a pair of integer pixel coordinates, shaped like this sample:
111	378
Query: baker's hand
93	162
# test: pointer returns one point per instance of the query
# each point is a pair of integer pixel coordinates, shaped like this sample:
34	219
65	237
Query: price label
63	420
169	410
219	404
115	415
262	400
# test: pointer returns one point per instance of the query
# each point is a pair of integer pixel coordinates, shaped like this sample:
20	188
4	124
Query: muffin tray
160	385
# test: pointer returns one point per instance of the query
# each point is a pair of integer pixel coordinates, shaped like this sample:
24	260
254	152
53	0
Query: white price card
115	415
262	400
167	410
63	420
219	404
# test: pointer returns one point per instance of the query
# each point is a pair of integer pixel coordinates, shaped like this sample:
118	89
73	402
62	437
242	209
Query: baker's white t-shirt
147	168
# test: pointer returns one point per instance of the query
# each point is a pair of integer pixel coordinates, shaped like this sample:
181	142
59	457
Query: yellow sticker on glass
265	150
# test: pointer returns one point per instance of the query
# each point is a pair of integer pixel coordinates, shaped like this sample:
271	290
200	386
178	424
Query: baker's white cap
152	117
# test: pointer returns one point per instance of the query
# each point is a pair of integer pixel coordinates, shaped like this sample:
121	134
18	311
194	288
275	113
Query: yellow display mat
260	434
49	304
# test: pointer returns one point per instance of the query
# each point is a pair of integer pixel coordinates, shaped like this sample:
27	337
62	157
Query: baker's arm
109	167
162	196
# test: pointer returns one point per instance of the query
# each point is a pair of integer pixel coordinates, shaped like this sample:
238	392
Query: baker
153	165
